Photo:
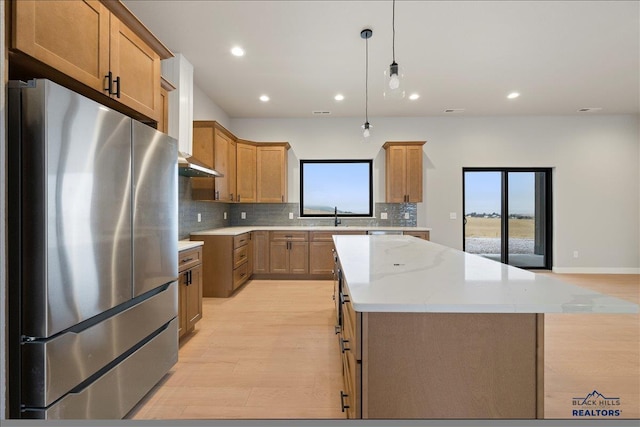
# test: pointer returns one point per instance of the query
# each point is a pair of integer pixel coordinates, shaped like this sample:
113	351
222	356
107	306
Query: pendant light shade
366	127
394	75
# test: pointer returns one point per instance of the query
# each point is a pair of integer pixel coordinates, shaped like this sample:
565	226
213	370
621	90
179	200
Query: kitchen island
427	331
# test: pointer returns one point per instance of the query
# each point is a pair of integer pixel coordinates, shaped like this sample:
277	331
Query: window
507	215
345	185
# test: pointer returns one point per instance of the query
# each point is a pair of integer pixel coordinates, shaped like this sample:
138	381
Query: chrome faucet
336	221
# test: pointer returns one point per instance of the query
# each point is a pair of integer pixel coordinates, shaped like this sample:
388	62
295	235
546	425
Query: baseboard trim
595	270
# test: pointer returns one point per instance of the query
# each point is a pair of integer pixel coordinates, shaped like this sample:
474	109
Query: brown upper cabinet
246	171
99	44
271	172
403	176
254	172
215	146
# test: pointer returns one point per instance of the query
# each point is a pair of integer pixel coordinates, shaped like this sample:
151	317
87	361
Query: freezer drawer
55	366
115	393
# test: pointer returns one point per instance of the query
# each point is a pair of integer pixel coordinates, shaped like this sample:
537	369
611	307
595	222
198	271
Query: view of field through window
484	214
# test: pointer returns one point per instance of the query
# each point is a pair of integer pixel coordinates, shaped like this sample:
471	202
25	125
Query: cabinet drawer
240	275
188	258
321	236
240	255
419	234
240	240
291	236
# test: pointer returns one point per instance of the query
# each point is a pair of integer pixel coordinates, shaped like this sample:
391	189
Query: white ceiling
560	55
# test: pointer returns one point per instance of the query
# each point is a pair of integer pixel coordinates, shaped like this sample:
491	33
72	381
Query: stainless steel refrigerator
92	250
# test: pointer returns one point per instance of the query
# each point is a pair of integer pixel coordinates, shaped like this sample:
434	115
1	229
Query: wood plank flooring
269	352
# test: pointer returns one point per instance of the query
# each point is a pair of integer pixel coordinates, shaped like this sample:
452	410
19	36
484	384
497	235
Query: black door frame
504	209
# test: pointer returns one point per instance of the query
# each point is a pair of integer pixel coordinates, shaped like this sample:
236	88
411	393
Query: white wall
596	178
205	109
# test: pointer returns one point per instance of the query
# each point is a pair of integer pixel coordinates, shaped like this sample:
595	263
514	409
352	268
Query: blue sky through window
345	185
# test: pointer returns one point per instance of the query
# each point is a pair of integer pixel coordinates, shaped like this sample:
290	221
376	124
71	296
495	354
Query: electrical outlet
199	218
243	215
290	215
453	215
383	215
224	216
406	215
575	254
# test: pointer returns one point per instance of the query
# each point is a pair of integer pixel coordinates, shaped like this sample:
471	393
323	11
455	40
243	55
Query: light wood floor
270	352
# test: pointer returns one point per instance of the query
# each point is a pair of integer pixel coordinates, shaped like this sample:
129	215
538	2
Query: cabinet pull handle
243	274
187	259
344	298
342	396
231	196
342	345
282	197
336	329
117	81
109	88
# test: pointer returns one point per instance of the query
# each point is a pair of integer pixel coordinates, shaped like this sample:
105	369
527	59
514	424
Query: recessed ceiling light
237	51
414	96
339	97
513	95
264	98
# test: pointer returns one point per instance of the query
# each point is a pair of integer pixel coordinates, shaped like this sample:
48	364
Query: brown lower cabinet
321	261
189	289
227	263
288	252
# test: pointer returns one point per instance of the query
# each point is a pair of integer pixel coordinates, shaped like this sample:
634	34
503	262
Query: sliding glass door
507	215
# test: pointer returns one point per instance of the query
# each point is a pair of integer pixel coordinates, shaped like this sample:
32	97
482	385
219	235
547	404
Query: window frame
329	161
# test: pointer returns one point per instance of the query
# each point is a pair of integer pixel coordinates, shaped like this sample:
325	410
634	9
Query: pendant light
395	74
366	127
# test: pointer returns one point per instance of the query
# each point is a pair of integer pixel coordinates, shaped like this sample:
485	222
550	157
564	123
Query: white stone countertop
234	231
406	274
183	245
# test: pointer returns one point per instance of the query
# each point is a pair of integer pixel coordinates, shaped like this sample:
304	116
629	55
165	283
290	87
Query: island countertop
387	273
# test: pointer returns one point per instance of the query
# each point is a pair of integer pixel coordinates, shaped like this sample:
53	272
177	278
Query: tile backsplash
212	214
278	214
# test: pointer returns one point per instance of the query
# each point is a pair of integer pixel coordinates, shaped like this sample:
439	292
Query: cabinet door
260	241
138	68
182	303
279	257
271	174
298	257
70	36
194	297
413	178
246	172
321	257
203	137
225	163
396	174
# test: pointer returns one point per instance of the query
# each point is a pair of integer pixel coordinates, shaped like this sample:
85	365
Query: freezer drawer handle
342	396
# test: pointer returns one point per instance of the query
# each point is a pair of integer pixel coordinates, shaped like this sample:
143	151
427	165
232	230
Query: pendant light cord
366	81
393	27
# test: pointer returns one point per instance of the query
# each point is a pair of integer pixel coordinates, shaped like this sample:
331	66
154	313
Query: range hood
191	167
